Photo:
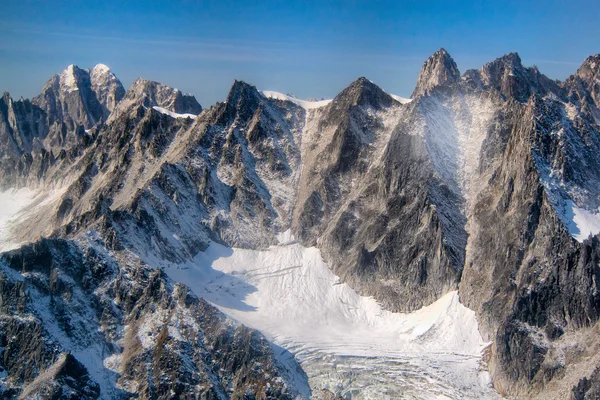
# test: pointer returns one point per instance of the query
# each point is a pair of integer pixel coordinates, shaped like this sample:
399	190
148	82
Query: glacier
346	343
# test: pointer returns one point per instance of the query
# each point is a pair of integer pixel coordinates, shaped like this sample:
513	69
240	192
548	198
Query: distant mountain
486	183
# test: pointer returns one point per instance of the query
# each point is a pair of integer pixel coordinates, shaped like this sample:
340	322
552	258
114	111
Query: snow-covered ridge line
306	104
401	100
173	114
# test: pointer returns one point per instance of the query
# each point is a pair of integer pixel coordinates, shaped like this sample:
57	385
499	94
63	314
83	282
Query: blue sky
309	48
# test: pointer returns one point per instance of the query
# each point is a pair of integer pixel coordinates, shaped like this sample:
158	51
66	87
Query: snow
173	114
401	100
455	130
578	221
67	79
575	198
343	341
12	204
286	237
86	346
306	104
101	69
581	222
15	206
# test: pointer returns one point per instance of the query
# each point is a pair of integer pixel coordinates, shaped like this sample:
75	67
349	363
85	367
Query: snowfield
306	104
173	114
22	214
581	222
346	343
15	206
401	100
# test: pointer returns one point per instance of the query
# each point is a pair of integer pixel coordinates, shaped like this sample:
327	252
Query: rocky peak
241	91
68	98
439	70
72	78
589	76
512	60
494	72
511	79
151	94
363	92
107	87
6	98
590	69
242	100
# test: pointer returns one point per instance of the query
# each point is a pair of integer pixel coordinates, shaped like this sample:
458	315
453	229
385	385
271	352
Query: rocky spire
590	69
589	75
507	76
107	87
439	70
242	101
21	123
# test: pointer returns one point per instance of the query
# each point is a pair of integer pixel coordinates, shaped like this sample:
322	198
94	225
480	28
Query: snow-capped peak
100	69
68	80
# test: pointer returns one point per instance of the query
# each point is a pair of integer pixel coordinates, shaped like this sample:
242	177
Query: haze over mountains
142	230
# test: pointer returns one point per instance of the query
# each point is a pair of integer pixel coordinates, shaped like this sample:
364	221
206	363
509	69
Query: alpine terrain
365	247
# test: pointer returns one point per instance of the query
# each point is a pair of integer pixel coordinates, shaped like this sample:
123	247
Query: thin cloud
223	50
175	41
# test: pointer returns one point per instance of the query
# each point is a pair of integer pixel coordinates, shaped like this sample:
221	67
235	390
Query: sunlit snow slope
15	206
345	342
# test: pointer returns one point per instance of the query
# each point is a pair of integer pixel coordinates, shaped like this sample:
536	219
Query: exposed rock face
587	388
511	79
66	378
526	278
339	150
589	74
151	94
109	90
584	88
362	199
157	339
70	105
22	126
439	70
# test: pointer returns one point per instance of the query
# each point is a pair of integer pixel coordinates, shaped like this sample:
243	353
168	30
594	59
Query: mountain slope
140	335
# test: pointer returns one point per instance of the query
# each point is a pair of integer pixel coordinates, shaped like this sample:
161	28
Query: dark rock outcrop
58	295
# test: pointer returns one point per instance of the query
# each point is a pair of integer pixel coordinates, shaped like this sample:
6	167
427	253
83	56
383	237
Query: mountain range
122	208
